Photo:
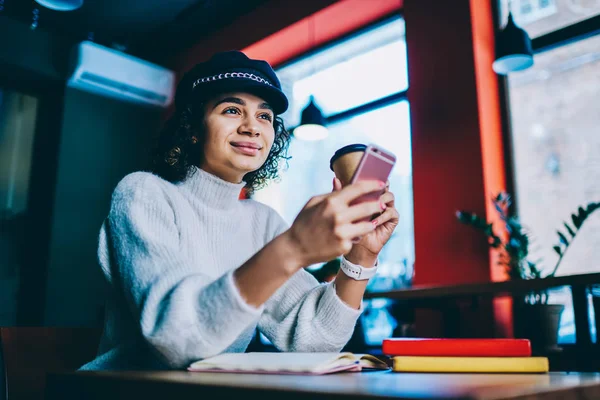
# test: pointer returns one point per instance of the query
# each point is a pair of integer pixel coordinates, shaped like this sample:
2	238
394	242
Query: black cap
231	71
351	148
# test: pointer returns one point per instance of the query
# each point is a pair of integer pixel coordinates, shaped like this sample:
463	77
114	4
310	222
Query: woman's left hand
374	241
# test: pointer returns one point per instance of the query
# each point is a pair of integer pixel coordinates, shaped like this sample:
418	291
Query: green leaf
462	216
499	209
570	230
582	214
591	207
576	221
562	237
557	250
488	230
533	270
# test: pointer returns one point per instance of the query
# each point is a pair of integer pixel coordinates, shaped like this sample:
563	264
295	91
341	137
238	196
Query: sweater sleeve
182	313
306	316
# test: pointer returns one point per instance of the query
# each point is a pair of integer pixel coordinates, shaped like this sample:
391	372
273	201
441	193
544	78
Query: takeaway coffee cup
345	161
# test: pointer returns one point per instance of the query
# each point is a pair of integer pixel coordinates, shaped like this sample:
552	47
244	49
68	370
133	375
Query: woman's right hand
325	227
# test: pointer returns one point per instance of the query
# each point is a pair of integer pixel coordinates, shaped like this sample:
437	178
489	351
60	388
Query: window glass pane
556	135
17	120
539	17
309	174
362	69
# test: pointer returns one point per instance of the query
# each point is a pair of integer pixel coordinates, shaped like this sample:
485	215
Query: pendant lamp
61	5
513	49
312	123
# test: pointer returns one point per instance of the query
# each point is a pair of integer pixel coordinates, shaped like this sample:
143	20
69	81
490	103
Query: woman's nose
249	127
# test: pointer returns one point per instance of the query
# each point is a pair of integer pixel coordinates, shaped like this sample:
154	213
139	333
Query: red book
457	347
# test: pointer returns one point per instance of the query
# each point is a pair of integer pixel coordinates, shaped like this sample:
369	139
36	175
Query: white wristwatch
357	272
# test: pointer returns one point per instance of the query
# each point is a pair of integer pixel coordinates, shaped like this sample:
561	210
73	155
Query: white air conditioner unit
109	72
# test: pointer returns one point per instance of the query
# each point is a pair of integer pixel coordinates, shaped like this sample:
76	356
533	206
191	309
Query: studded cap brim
272	95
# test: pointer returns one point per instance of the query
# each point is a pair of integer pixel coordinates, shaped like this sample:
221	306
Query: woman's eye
266	116
231	110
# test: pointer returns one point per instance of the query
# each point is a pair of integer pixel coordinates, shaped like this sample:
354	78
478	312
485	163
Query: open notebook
288	363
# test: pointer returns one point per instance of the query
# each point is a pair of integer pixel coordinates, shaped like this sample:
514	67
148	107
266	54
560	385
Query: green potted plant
534	318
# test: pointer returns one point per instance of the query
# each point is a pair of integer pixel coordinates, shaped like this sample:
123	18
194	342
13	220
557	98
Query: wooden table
367	385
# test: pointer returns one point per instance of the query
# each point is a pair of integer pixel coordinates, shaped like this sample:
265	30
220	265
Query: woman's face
239	135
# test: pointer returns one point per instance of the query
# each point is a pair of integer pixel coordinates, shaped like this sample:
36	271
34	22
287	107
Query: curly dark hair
176	152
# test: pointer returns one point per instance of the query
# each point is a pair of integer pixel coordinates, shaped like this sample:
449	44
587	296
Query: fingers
351	231
388	199
337	185
391	214
354	191
363	210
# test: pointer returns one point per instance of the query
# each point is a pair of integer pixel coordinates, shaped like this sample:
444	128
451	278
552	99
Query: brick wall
555	111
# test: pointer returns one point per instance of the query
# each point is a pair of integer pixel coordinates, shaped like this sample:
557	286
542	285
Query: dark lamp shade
312	124
513	49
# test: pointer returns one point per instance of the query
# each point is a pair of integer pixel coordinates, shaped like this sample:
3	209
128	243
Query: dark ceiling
151	29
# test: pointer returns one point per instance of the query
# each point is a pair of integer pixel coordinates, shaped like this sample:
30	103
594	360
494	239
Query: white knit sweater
169	252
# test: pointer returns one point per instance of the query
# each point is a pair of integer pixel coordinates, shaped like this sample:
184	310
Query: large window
348	82
17	119
556	139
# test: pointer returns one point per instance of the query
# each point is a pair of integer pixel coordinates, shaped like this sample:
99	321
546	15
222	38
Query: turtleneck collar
212	190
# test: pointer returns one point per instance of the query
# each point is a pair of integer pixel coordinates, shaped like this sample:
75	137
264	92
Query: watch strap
357	272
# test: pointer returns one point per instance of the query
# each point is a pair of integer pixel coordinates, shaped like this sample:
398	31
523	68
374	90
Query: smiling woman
239	134
236	122
210	94
194	270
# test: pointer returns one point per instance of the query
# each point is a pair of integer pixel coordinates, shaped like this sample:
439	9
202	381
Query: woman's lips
246	148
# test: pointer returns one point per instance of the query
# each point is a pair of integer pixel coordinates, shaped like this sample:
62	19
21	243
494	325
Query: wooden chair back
29	353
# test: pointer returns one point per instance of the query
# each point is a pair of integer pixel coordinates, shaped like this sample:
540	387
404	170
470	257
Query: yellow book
470	364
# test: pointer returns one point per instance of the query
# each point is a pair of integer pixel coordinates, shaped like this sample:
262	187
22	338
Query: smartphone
375	164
